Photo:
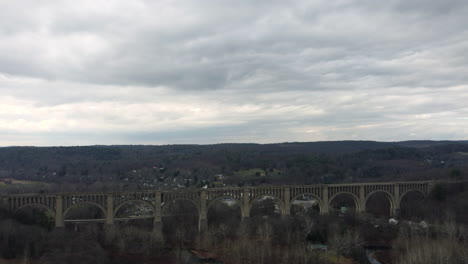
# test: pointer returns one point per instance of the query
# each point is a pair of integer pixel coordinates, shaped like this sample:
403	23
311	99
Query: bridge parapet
190	195
71	200
234	193
298	190
273	191
334	190
388	188
16	202
122	198
423	187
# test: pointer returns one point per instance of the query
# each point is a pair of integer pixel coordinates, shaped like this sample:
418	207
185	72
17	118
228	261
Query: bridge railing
166	191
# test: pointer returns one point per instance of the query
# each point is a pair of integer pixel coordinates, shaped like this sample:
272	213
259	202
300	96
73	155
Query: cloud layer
158	72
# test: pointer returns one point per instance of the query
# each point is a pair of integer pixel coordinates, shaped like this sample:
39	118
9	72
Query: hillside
181	166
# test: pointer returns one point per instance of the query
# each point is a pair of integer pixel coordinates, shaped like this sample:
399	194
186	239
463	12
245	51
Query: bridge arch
172	201
67	211
412	205
316	197
35	205
353	196
219	212
118	207
389	195
220	198
390	198
411	191
35	214
256	199
181	220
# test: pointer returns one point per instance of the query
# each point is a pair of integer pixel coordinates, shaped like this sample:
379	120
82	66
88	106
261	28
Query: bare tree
265	232
343	244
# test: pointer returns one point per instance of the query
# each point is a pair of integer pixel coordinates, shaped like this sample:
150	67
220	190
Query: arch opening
84	215
35	215
266	206
180	222
379	204
224	216
134	209
135	213
305	205
265	221
413	205
343	204
84	211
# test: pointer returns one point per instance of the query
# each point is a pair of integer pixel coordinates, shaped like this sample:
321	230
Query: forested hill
183	166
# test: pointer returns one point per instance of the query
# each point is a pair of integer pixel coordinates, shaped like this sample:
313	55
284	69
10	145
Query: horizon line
238	143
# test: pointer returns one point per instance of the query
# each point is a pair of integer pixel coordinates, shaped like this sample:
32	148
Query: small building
218	180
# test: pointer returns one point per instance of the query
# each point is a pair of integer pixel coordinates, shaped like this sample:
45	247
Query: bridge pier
287	203
396	200
361	203
203	222
158	236
109	227
157	223
59	221
110	209
245	206
325	203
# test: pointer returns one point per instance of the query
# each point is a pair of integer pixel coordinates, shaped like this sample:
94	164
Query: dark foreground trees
265	237
260	240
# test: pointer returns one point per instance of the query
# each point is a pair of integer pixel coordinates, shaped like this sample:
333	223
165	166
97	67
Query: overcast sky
175	72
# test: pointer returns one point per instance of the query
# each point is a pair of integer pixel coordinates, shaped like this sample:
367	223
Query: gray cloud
265	71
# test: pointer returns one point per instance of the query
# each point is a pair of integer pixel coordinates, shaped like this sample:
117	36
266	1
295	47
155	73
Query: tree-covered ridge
182	166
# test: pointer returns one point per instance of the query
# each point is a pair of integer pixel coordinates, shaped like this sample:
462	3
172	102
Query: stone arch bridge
60	204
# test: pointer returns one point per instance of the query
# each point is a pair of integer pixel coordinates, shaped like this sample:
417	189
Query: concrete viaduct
61	204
